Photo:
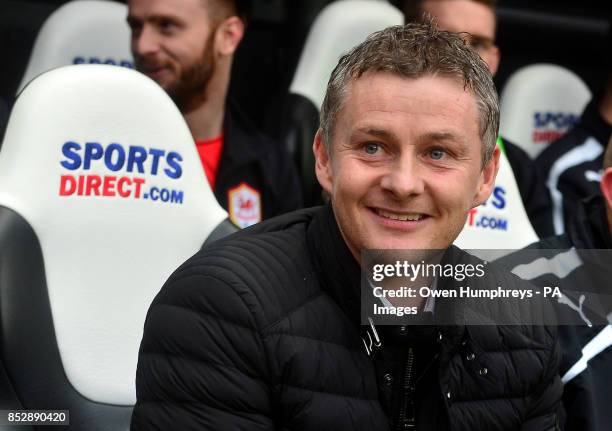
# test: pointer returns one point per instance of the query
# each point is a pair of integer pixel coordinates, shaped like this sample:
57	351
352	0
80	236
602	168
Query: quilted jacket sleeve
201	364
546	409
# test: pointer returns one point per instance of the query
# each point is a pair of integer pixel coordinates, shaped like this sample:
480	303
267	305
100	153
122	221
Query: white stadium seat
102	196
81	32
502	222
539	103
339	27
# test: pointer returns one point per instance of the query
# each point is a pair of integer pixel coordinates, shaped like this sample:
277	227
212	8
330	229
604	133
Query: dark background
569	33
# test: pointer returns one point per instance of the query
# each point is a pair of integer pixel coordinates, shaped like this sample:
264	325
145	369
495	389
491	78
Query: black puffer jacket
260	331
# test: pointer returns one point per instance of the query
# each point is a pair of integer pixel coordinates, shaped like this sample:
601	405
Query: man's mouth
151	70
150	67
399	216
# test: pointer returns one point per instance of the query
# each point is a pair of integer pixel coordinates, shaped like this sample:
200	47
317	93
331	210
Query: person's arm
201	363
546	410
290	184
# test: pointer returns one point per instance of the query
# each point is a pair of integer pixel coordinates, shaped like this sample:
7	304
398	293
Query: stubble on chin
190	89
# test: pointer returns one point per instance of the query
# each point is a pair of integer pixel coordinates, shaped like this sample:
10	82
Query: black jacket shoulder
232	340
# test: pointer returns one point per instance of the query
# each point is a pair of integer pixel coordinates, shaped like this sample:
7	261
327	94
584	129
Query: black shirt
256	179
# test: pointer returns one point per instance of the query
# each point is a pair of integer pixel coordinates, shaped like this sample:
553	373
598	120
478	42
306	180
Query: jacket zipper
407	420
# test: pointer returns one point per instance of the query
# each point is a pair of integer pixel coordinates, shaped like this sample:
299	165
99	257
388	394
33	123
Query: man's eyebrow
156	19
373	131
444	136
131	19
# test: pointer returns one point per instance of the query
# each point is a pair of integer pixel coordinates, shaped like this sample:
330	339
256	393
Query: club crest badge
244	205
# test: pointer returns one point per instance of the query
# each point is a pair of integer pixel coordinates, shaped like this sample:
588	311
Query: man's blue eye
167	26
436	154
371	148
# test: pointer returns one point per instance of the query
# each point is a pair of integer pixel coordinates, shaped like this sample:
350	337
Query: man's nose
146	42
404	178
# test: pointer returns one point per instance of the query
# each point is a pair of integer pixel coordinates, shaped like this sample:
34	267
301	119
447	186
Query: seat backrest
339	27
539	103
81	32
502	222
102	196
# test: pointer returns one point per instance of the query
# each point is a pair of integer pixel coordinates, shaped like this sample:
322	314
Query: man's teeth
401	217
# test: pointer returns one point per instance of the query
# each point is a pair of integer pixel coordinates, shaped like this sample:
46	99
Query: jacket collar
593	122
340	274
589	227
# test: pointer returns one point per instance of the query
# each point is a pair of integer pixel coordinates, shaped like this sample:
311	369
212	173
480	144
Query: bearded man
187	47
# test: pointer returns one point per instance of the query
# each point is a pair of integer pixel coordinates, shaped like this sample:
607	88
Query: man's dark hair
413	9
241	8
244	9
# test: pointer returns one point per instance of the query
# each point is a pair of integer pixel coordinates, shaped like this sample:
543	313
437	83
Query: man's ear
487	179
323	168
228	35
606	186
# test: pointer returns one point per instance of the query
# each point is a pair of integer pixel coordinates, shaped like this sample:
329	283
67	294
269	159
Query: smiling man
261	330
406	163
187	47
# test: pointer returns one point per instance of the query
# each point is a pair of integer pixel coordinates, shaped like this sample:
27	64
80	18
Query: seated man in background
477	20
261	330
187	47
572	165
579	263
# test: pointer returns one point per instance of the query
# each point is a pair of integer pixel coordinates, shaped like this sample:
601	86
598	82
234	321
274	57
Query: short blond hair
413	51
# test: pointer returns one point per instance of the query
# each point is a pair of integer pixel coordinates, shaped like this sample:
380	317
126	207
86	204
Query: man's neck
206	120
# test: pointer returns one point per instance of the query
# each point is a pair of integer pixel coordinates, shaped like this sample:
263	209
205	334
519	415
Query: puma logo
593	176
578	308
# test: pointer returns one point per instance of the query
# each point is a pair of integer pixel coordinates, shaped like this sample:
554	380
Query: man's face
468	16
173	44
404	166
